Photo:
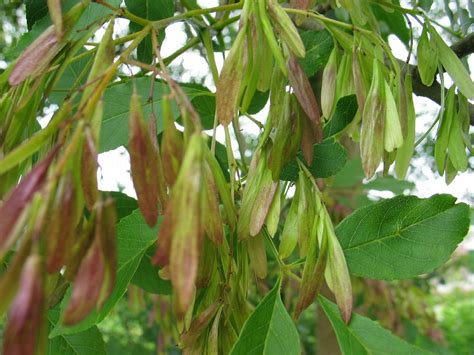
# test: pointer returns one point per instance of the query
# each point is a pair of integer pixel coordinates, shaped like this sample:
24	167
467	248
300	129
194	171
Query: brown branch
465	46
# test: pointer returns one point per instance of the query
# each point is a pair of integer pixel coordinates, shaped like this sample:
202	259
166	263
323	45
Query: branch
465	46
462	48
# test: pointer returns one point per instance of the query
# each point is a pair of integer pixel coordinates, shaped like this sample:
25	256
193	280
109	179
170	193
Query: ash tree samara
236	239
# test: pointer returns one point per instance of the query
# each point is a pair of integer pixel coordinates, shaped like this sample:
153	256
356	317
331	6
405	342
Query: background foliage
135	319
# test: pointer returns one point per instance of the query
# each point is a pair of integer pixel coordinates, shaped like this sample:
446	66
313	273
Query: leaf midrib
270	322
377	240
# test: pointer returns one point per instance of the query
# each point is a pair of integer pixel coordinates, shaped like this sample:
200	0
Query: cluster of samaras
211	230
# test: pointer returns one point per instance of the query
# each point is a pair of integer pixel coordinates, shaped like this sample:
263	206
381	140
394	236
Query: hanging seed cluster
215	230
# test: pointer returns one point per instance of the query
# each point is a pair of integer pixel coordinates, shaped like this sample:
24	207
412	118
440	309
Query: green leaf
402	237
425	4
124	204
151	10
389	183
82	343
205	104
134	237
71	76
318	46
35	10
206	107
394	21
269	329
221	157
94	12
329	158
350	175
258	102
114	131
146	276
344	113
364	336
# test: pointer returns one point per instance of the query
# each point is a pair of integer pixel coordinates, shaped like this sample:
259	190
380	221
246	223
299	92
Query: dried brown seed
22	333
230	81
60	231
87	285
19	198
89	169
304	92
78	249
171	144
310	135
144	159
95	277
313	272
36	58
212	217
187	225
105	231
258	255
263	200
162	255
337	274
199	325
373	118
10	279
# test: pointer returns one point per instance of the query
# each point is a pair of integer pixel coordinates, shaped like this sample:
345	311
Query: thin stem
328	20
107	5
347	26
144	66
194	41
447	29
296	263
194	6
240	142
190	44
254	120
441	110
422	138
193	13
90	104
123	12
181	99
274	250
118	41
293	276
